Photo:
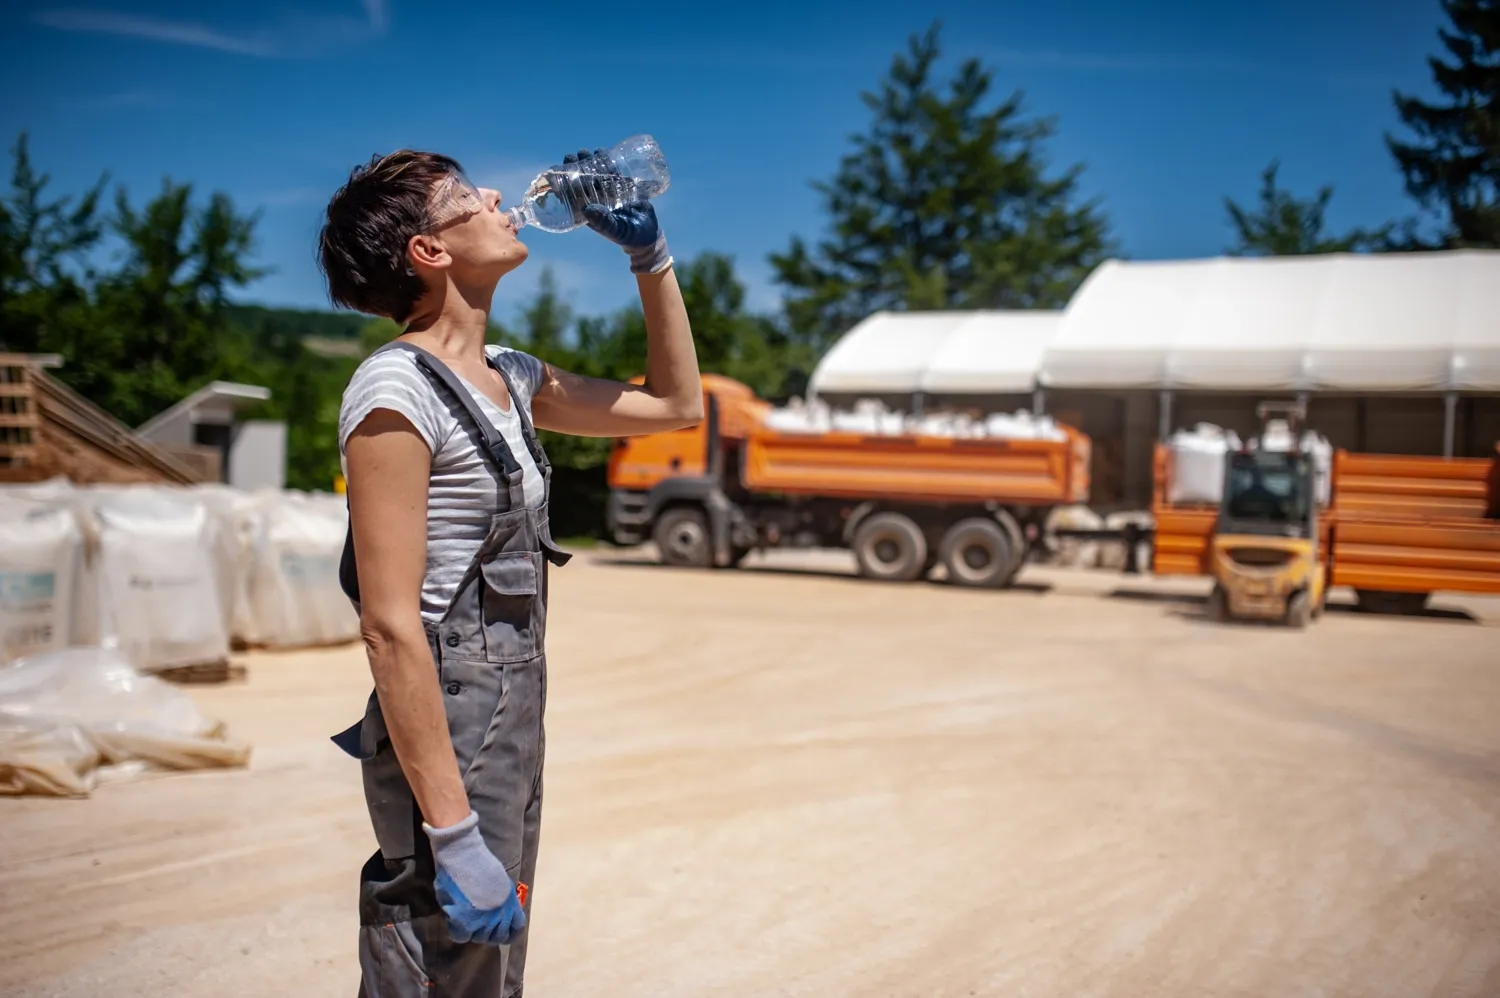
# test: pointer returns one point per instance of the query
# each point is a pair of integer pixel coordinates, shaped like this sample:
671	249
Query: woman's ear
427	251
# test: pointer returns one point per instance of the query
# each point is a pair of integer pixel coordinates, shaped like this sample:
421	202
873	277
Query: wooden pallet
222	671
47	430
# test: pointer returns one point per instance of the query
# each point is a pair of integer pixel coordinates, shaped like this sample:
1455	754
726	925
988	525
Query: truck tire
978	552
1381	601
890	547
682	538
1018	542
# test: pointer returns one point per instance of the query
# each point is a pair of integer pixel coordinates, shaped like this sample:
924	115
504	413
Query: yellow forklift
1265	554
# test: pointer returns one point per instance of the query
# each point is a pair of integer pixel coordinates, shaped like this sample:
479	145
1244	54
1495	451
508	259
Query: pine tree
945	201
1452	167
1286	225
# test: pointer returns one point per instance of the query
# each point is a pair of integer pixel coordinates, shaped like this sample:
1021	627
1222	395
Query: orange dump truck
1396	529
710	494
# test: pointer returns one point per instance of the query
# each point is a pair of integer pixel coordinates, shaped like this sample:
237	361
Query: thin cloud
104	22
289	39
376	14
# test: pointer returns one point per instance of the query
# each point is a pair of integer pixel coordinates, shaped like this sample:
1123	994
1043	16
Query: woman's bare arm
671	398
388	468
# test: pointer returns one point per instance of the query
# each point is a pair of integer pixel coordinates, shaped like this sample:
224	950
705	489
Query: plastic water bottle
548	202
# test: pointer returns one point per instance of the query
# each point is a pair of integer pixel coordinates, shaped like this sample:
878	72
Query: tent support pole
916	404
1039	402
1164	415
1450	422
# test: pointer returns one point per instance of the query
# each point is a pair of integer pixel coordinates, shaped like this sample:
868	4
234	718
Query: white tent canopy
1397	322
938	353
1393	322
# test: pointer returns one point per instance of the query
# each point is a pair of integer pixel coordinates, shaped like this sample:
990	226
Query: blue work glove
632	226
476	893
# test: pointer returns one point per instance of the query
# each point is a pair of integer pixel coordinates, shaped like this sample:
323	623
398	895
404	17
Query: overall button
454	689
452	640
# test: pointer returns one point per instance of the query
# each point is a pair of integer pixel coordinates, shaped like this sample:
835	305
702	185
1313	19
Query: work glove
632	226
477	895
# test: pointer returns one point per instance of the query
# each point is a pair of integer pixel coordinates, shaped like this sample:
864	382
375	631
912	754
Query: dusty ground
766	783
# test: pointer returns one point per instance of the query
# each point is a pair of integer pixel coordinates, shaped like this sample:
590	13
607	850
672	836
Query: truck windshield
1268	488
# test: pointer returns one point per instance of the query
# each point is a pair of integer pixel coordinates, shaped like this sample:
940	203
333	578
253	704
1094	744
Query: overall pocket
390	961
509	604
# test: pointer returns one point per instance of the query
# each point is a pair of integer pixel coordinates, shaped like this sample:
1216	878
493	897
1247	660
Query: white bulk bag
41	557
1322	453
789	421
156	578
1197	464
233	514
295	597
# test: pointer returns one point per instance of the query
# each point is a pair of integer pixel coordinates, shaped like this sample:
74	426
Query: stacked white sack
1197	458
155	577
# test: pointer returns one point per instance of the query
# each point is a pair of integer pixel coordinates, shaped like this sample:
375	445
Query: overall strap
441	374
528	431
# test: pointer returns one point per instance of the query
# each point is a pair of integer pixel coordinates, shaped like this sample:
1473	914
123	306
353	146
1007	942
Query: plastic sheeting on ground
66	716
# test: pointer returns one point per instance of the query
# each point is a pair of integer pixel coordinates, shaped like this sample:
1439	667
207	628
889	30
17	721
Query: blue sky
1169	104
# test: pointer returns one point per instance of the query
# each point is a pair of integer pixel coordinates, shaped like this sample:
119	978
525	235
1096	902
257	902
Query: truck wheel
1299	610
1380	601
978	552
1018	544
681	536
889	547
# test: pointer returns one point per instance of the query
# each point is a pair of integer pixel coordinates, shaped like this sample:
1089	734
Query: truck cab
685	467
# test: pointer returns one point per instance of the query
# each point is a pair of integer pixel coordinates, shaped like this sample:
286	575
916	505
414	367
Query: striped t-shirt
464	490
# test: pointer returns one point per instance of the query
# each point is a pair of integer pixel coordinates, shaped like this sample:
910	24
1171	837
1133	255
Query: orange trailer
711	494
1396	530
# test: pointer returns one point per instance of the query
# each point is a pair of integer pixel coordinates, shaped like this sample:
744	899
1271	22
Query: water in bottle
634	170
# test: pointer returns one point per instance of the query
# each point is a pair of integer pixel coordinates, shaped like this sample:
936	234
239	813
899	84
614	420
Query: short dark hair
362	246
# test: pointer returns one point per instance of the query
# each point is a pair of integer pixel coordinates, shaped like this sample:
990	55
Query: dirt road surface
774	782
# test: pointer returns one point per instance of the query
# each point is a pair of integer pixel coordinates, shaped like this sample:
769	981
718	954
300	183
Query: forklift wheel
1299	610
1218	605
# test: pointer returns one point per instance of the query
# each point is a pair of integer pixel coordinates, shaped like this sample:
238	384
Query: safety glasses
454	198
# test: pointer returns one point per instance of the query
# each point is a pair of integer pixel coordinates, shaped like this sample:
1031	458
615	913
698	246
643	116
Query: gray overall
488	651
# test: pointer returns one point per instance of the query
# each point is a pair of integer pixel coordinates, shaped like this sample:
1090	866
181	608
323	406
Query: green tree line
946	199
